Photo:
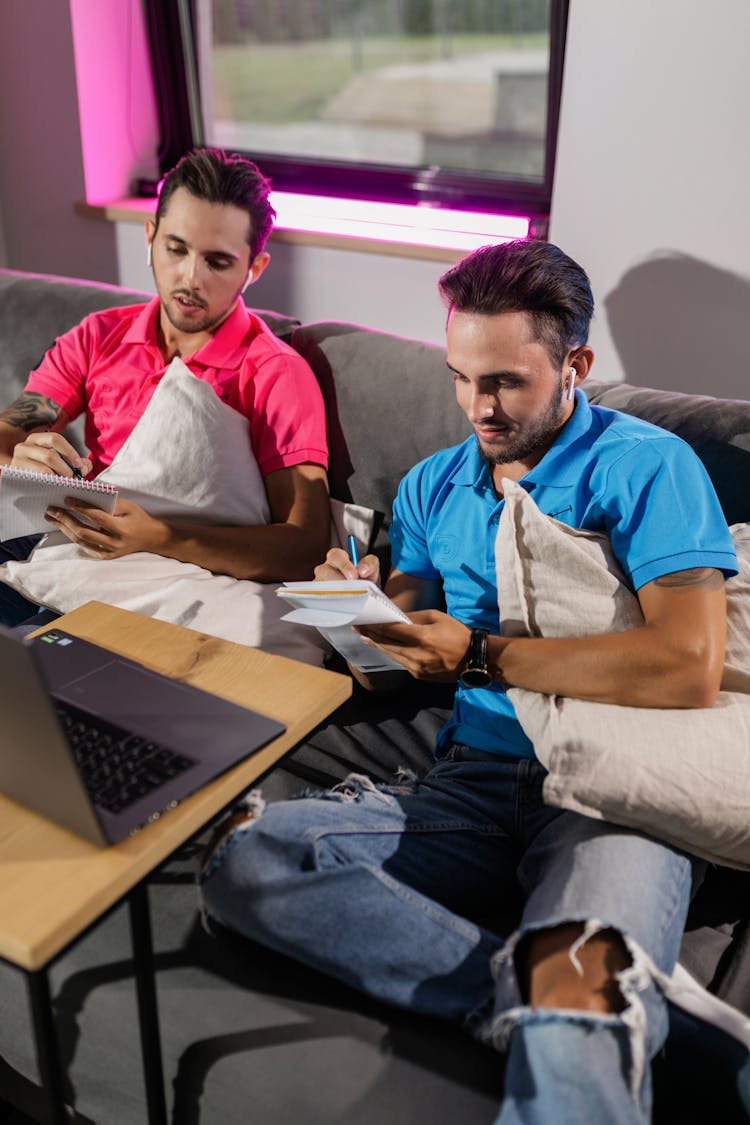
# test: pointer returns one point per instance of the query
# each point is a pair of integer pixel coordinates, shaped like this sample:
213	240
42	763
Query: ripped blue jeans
418	892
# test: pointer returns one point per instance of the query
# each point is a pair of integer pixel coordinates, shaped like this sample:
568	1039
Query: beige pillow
680	775
737	658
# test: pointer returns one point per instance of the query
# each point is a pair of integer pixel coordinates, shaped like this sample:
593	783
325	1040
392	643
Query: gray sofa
248	1035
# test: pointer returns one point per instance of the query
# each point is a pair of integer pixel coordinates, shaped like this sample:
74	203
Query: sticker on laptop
56	639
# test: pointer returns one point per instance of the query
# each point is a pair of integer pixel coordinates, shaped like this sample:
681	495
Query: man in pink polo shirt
205	245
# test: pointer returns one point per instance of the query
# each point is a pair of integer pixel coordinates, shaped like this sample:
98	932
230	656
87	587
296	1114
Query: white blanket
190	455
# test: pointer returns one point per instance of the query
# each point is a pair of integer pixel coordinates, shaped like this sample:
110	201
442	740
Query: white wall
651	189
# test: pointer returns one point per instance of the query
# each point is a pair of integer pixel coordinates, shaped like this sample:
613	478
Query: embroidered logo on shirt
446	547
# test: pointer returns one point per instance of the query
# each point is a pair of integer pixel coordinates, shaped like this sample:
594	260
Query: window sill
326	227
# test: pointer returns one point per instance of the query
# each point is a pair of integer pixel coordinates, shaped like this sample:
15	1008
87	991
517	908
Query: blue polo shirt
608	472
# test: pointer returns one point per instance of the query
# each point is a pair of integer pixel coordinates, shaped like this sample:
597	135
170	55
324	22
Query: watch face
476	677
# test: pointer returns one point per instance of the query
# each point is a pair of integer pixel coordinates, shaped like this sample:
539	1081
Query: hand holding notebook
26	495
334	607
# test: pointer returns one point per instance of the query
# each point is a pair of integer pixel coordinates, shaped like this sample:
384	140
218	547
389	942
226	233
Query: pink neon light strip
395	222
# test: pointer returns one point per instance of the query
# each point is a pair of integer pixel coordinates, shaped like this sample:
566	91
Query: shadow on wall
680	324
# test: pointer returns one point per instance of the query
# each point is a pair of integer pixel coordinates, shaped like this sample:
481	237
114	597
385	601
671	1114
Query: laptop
102	745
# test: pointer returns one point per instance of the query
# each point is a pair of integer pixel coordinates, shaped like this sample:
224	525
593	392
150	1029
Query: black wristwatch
476	673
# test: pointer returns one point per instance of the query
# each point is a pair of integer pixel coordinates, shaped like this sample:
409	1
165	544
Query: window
433	101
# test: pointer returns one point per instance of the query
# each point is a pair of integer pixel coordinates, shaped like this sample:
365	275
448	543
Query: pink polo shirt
110	365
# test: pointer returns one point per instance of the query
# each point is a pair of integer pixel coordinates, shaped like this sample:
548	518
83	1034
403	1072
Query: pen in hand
76	472
353	552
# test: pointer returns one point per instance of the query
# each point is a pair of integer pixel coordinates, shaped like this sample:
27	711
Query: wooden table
55	885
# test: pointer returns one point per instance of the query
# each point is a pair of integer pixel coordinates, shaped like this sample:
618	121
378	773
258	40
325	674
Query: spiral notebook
25	497
334	607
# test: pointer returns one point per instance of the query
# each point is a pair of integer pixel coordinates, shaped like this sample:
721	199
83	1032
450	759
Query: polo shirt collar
228	340
143	330
220	351
561	465
473	469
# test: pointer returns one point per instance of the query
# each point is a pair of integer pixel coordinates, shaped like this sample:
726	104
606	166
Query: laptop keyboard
118	768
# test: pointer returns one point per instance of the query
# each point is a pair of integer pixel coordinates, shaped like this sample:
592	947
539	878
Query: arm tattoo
699	576
30	412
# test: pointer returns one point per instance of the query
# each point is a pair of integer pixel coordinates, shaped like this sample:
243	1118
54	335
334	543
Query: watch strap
476	672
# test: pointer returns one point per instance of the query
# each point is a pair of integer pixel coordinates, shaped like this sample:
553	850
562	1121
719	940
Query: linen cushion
680	775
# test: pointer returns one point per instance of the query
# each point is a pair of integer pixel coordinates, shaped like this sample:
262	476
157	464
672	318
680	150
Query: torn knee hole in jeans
632	981
355	787
244	813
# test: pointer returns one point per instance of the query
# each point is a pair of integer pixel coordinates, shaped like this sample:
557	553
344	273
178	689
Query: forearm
30	436
633	668
10	437
266	553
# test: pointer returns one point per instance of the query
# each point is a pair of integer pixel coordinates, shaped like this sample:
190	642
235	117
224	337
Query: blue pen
353	552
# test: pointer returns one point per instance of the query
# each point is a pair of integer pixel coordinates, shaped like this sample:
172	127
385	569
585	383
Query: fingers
391	634
103	550
95	538
369	567
338	565
47	452
433	647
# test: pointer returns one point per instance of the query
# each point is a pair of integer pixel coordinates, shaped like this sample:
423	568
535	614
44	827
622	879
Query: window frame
172	37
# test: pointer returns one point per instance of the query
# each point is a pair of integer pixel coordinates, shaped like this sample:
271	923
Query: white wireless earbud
570	392
148	255
248	283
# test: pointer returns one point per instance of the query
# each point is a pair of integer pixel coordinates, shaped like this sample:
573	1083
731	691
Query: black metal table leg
148	1013
47	1045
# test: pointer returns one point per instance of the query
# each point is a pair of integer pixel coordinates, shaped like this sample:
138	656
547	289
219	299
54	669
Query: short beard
190	327
206	324
533	440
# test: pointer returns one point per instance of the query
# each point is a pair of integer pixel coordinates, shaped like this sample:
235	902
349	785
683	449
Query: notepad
334	607
357	602
26	495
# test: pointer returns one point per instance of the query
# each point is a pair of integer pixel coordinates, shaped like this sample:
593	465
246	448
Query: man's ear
150	232
257	267
582	360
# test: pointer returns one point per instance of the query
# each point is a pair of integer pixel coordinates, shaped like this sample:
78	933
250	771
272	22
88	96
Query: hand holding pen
73	468
347	564
45	451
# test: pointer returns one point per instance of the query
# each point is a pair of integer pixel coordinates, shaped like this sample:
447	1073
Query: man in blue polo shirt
462	894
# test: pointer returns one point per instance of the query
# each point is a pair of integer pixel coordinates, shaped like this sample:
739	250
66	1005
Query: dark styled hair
220	177
525	276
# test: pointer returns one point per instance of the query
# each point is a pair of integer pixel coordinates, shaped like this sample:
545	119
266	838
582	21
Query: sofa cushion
390	403
46	307
718	430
